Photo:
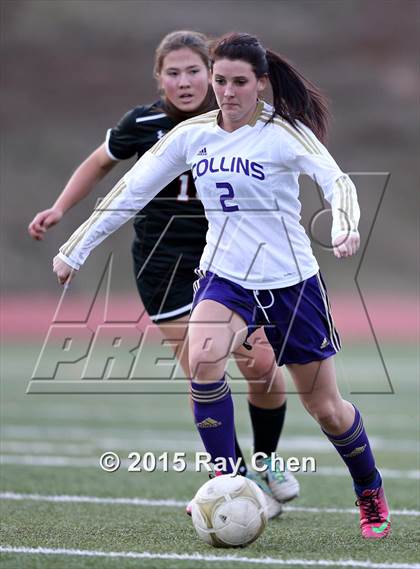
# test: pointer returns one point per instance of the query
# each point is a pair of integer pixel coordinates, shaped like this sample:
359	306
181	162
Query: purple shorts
297	319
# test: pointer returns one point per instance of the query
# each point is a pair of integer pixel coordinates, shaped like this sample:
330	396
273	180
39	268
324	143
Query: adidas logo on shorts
202	152
324	344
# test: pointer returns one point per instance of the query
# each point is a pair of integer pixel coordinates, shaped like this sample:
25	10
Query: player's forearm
345	207
337	188
83	180
115	209
131	194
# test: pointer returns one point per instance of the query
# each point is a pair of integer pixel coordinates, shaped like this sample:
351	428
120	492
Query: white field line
174	442
169	503
190	439
92	500
75	414
46	447
89	462
207	558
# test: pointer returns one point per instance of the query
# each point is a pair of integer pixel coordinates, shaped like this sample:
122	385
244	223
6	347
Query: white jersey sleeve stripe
301	129
81	231
312	139
345	208
66	248
108	151
354	206
300	135
342	218
309	148
150	118
348	208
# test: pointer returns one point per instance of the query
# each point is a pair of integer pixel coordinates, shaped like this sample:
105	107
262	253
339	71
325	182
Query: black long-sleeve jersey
173	223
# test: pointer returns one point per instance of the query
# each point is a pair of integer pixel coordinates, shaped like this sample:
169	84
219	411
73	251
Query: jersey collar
258	111
252	121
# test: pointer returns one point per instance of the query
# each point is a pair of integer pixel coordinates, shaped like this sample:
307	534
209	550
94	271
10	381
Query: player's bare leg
214	332
318	391
343	425
266	385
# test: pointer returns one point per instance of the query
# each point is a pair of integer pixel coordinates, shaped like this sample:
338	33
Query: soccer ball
229	511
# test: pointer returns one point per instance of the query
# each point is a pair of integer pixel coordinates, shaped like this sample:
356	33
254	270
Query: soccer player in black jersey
170	234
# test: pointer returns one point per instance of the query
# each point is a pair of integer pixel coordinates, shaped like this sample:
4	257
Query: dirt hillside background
71	68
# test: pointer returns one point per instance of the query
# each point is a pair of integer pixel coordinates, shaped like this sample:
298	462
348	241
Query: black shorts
165	284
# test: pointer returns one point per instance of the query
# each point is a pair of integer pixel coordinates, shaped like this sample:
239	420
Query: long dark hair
294	97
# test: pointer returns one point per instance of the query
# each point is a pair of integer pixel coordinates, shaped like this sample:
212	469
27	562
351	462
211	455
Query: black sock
242	468
367	481
267	425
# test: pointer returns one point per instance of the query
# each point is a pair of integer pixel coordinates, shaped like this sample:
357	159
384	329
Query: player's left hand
346	245
64	272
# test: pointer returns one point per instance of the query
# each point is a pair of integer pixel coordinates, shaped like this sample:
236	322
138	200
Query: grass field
55	499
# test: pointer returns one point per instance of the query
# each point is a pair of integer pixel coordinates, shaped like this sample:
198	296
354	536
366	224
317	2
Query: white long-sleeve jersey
248	183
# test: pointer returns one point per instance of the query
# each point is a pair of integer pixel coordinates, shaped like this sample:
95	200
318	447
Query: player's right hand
346	244
63	271
43	221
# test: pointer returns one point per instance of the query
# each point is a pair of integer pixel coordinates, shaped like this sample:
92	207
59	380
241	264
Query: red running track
26	318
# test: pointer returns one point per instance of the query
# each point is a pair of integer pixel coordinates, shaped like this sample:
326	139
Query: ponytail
295	98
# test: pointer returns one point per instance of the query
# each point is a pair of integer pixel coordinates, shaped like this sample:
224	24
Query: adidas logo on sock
355	452
208	423
202	152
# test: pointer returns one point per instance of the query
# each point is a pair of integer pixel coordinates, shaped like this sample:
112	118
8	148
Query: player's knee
259	366
326	413
260	370
207	364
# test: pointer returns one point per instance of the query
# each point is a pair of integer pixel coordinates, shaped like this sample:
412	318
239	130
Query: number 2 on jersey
228	196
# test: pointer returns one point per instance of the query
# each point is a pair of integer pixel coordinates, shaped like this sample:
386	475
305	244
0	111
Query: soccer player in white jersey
257	268
170	237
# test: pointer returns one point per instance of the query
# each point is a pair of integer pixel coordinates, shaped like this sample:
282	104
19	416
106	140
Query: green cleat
283	485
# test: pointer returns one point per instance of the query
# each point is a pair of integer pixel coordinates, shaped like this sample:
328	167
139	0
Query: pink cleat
375	517
188	509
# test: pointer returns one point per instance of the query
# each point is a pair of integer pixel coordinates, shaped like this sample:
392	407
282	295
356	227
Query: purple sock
213	412
354	448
